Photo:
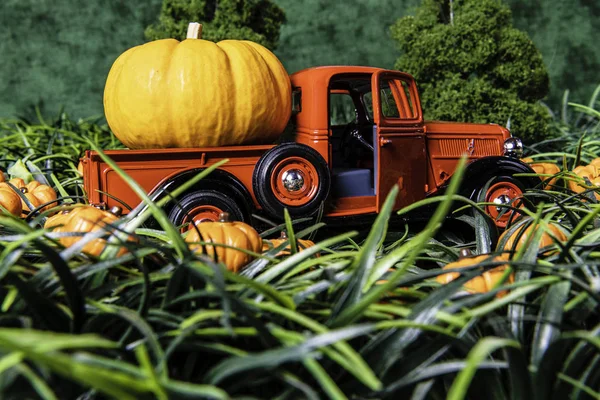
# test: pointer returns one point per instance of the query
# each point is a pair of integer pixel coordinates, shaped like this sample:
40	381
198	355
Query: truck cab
367	123
358	132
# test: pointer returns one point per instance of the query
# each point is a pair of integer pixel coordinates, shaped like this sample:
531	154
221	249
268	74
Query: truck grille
473	147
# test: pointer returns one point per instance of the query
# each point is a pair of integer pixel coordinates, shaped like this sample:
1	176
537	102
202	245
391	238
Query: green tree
472	65
256	20
564	31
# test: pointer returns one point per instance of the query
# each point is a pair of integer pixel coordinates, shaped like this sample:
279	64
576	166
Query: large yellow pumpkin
482	283
235	234
197	93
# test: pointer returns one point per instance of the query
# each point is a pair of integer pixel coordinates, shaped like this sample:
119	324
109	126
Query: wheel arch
482	170
219	179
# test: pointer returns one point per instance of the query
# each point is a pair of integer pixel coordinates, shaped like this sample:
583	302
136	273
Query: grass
364	320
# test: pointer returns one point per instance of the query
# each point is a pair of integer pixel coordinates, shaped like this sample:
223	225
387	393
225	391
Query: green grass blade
354	312
483	349
274	358
365	260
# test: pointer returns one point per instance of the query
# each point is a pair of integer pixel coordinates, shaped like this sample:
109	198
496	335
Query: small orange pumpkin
36	192
84	219
583	171
235	234
479	284
10	200
595	162
545	168
273	243
523	233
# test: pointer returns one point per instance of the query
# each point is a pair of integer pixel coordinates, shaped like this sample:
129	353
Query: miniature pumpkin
36	192
482	283
595	162
545	168
236	234
197	93
273	243
82	220
10	200
521	236
588	171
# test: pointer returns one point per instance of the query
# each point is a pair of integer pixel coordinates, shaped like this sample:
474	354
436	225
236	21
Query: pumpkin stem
464	253
283	235
116	210
194	31
224	217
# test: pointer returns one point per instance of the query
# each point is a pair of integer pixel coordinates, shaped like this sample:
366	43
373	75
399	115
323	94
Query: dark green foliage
364	320
472	66
256	20
564	31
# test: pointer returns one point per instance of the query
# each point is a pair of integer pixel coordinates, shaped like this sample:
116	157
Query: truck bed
151	167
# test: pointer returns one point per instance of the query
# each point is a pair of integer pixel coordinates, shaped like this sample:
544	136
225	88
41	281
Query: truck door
400	154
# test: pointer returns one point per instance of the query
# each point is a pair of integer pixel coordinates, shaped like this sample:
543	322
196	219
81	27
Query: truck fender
480	171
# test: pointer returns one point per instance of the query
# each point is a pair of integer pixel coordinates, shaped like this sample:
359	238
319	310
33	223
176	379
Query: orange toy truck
358	132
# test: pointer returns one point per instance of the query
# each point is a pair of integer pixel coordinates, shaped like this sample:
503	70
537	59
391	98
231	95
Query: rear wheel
204	205
292	176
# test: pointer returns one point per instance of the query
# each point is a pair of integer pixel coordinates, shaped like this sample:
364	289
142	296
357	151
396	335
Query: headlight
513	147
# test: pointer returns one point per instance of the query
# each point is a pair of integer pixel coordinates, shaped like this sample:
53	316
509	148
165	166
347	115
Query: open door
400	150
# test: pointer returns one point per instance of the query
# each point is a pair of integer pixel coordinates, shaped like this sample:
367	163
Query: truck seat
351	182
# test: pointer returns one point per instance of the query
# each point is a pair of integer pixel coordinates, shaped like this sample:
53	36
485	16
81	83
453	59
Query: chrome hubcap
501	201
292	180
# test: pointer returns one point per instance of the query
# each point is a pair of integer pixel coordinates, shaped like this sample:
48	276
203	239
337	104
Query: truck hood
463	129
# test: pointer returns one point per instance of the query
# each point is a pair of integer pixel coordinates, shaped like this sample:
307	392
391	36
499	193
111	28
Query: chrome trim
513	147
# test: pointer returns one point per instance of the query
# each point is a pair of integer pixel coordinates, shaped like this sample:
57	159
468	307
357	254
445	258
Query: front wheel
503	194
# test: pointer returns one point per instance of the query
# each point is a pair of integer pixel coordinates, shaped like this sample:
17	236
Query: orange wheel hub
203	213
294	181
503	195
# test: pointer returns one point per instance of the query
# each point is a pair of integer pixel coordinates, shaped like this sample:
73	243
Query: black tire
274	203
507	184
211	198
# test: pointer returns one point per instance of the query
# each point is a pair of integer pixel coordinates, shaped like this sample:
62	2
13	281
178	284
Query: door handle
383	142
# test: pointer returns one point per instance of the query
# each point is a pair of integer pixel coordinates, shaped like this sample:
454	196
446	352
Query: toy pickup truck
358	132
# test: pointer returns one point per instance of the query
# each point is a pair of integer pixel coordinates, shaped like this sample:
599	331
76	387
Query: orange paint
418	155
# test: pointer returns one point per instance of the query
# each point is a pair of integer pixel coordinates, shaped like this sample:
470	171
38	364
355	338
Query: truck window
388	103
389	108
396	101
341	109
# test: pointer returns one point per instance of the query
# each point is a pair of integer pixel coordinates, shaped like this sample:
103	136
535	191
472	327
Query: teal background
57	53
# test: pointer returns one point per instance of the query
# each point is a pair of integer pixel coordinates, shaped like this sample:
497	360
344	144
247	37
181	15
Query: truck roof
320	76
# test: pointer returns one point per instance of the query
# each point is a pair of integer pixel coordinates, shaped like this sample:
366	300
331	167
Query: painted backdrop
57	53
